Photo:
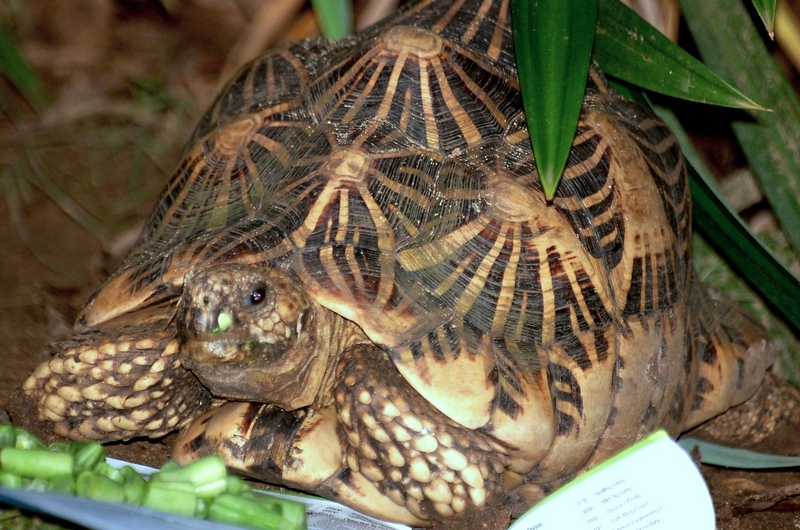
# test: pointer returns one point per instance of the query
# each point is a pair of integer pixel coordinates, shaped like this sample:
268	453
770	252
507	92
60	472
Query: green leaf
629	48
731	45
19	74
553	42
732	238
766	10
720	455
335	17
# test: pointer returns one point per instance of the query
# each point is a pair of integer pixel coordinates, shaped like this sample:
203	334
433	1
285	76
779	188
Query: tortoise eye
256	296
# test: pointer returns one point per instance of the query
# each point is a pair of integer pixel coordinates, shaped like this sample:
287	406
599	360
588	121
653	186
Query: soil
95	58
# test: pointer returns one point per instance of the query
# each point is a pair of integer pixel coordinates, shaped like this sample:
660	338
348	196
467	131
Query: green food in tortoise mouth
452	345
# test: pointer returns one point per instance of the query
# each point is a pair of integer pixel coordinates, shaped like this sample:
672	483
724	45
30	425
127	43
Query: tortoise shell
391	175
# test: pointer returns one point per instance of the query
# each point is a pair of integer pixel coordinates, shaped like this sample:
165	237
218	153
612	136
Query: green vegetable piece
25	440
35	463
107	470
99	487
7	436
201	508
295	513
211	489
64	484
38	485
236	485
224	321
166	497
233	509
134	485
170	465
9	480
199	473
88	455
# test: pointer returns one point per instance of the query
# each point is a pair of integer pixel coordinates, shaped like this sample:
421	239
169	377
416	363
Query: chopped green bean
107	470
99	487
87	455
165	497
233	509
198	473
35	463
10	480
202	489
64	484
25	440
134	485
7	436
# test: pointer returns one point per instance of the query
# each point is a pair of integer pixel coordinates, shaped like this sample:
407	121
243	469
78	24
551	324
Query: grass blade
335	17
17	71
629	48
731	45
553	42
731	237
766	10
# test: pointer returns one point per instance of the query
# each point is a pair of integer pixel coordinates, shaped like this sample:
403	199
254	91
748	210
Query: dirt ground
126	80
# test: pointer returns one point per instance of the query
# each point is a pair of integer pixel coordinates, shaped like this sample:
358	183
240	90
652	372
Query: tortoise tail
729	351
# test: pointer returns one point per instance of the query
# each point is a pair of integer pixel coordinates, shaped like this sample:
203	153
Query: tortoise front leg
379	448
413	453
111	386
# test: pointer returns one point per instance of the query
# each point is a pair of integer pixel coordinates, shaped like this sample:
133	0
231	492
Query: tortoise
354	286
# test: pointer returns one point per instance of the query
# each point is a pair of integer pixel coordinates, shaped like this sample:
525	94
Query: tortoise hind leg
732	355
772	414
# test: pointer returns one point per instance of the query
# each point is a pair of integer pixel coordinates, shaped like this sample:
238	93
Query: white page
653	485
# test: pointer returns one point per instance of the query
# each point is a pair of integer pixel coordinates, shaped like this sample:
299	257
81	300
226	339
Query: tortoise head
253	334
